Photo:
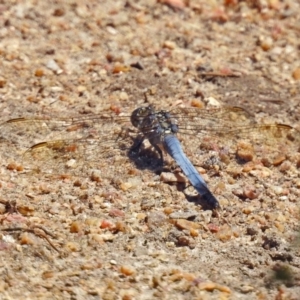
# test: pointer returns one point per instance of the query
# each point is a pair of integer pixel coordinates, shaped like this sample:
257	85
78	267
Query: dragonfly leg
158	149
135	148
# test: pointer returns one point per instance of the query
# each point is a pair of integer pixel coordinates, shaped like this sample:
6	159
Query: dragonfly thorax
152	123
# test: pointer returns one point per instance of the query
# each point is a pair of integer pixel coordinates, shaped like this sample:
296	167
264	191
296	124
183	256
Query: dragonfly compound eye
138	115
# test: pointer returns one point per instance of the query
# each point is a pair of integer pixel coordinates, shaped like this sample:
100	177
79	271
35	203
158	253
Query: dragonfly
78	145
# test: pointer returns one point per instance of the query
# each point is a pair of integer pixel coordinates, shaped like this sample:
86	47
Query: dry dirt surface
122	230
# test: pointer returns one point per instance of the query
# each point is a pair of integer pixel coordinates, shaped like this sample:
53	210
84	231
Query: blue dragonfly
77	145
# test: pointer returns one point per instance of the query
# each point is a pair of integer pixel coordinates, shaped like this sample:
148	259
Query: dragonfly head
141	115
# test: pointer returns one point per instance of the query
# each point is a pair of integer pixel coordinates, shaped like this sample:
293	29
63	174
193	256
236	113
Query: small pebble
266	43
213	227
225	233
245	151
39	73
105	224
53	66
183	215
147	204
210	286
172	177
127	270
279	160
123	96
125	186
26	210
285	166
119	68
58	12
115	212
2	83
156	219
279	226
178	4
47	275
212	102
296	74
168	211
185	224
27	238
248	210
120	227
76	227
250	192
277	189
197	103
205	216
169	44
72	246
108	237
247	289
183	241
251	231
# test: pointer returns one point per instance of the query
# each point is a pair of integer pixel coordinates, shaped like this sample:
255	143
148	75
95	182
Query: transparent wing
65	145
269	143
233	130
82	143
76	156
195	120
28	131
25	132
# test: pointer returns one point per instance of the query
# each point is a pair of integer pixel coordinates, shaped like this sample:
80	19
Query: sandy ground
125	232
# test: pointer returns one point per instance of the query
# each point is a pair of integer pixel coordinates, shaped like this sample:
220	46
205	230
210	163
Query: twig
36	230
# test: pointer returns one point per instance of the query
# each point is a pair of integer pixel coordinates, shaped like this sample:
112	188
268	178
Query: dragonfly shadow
145	159
196	199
